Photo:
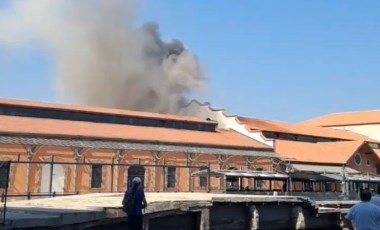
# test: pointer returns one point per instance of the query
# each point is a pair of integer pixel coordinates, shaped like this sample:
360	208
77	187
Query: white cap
136	180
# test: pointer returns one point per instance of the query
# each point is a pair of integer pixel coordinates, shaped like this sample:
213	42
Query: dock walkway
211	211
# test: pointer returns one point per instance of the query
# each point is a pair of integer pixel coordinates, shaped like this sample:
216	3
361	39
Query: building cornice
130	145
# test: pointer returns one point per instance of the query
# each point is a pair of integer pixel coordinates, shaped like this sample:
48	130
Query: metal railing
101	178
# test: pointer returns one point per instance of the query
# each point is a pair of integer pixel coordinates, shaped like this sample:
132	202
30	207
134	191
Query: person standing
364	215
133	203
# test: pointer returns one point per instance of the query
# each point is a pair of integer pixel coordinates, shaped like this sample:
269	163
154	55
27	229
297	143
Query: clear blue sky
285	60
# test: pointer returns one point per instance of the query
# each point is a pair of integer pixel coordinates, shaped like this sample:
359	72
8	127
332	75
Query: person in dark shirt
135	219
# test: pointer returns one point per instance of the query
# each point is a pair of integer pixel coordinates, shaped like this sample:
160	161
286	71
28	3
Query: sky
283	60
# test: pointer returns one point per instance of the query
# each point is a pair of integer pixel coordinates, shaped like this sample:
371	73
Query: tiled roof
349	118
63	128
100	110
327	152
282	127
377	151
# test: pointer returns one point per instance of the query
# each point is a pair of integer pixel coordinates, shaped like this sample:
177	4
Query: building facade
310	150
74	149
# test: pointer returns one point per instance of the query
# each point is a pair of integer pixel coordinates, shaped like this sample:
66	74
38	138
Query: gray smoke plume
100	58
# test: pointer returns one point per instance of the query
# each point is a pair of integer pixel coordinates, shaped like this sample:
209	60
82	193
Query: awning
299	176
355	177
242	173
322	168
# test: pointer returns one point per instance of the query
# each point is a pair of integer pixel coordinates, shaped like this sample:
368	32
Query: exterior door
58	179
136	171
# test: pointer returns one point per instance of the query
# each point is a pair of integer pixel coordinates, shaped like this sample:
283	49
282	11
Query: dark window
190	126
4	167
170	124
329	187
308	186
203	182
232	182
288	137
171	177
96	176
306	139
270	135
259	184
144	122
358	159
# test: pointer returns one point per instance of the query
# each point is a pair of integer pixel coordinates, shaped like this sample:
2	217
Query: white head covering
136	180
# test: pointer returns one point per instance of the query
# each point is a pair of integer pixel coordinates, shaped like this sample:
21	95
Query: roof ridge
338	113
265	119
45	127
357	111
99	110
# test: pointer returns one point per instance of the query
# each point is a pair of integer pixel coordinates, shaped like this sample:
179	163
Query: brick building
71	149
306	151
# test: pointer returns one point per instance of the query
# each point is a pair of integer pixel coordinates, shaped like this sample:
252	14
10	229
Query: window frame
171	177
5	174
96	182
360	159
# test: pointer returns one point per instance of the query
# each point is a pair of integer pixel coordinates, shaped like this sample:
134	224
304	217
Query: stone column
254	213
188	164
248	167
163	176
118	157
155	161
205	219
220	162
30	153
298	217
77	156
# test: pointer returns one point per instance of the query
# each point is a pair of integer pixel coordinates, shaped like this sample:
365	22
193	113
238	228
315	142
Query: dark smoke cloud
100	58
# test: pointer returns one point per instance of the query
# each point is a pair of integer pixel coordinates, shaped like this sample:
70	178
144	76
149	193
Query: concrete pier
203	211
